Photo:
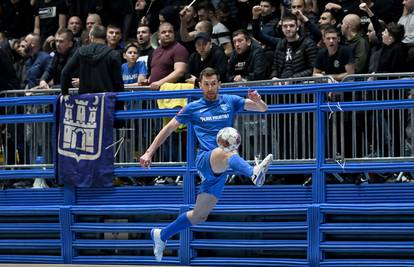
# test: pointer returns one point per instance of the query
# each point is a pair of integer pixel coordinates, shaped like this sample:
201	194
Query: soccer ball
228	139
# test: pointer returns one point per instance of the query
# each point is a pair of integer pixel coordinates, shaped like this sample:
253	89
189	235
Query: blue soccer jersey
208	117
130	75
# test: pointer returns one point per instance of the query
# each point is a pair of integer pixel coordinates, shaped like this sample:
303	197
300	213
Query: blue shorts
210	183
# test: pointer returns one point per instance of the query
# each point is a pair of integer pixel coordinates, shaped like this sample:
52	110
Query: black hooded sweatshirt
99	70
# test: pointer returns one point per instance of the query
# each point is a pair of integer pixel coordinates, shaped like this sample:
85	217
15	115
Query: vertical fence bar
66	235
314	236
318	185
189	178
69	195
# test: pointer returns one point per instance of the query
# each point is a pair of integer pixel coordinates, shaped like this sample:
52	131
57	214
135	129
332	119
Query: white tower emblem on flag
82	134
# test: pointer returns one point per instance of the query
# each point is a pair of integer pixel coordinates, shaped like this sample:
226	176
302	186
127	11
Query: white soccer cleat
259	171
159	245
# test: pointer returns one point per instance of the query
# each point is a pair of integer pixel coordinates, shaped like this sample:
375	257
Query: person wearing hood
247	61
99	66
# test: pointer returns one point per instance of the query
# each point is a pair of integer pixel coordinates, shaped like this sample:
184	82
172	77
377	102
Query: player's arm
145	160
254	102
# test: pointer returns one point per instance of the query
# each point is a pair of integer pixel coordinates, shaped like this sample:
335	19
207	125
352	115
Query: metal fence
288	135
323	224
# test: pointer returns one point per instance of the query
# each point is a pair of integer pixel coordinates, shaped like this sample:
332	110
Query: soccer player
208	115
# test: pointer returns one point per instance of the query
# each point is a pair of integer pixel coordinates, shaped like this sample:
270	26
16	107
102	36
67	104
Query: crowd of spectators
245	39
168	41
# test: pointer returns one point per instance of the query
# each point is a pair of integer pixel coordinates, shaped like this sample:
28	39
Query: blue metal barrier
330	225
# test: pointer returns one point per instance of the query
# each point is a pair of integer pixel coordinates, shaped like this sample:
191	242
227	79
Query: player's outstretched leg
204	204
259	171
228	140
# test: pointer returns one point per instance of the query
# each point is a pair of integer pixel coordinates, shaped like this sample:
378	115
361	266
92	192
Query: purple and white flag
84	137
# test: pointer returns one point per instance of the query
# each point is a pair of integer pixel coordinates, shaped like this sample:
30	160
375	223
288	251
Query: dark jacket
265	30
35	66
393	58
8	78
251	65
390	58
55	67
360	48
303	58
311	30
99	70
215	59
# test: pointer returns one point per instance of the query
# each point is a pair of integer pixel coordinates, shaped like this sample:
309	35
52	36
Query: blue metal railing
291	225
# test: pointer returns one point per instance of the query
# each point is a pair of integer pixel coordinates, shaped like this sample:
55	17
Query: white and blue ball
228	139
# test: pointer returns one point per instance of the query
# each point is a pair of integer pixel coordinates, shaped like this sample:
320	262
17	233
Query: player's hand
145	160
254	96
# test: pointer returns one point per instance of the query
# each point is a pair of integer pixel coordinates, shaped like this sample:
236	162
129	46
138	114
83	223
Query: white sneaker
259	171
40	183
159	245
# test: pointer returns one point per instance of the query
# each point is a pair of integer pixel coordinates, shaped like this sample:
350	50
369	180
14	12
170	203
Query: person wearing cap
247	61
207	55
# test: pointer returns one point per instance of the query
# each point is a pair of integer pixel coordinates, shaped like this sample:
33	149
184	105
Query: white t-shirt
222	34
408	23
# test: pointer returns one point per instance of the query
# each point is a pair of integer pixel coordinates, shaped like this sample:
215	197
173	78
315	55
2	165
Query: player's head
210	83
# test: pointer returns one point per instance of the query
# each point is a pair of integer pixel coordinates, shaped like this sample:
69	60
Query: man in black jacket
64	50
207	55
8	78
99	66
265	22
8	81
247	61
294	56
